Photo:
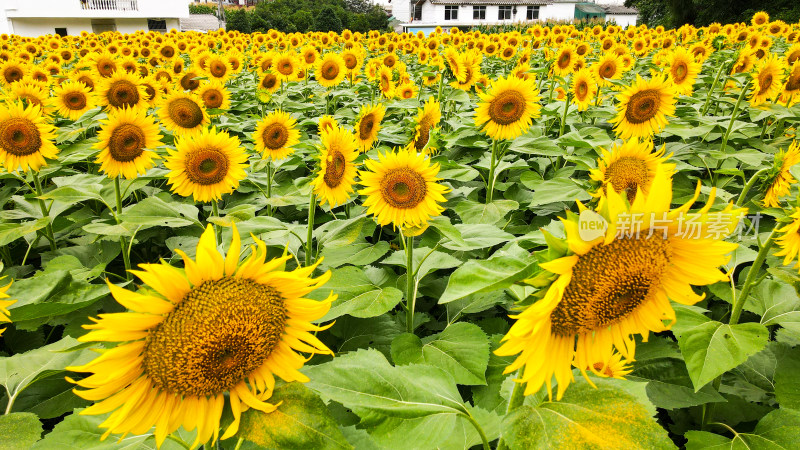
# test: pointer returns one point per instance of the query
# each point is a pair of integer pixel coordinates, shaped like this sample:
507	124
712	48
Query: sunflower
583	88
428	118
630	168
337	171
72	99
4	304
218	68
330	70
326	123
564	60
760	18
124	140
407	91
183	113
615	367
385	82
608	67
26	138
471	63
189	81
643	107
11	71
508	109
121	90
31	94
216	332
368	125
618	284
214	95
402	188
276	135
791	90
270	83
683	70
780	180
789	241
285	66
767	79
455	63
206	165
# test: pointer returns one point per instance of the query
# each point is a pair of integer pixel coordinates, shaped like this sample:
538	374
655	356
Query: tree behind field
238	20
291	16
674	13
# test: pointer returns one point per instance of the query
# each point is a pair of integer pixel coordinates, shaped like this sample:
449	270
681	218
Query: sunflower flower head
630	168
507	110
276	135
643	107
4	304
581	320
337	170
26	138
200	340
779	180
368	125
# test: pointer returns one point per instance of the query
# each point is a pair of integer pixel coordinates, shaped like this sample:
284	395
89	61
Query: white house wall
558	11
623	20
146	9
434	14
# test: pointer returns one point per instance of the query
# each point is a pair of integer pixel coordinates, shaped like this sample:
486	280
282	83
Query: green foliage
238	20
323	15
674	13
203	8
327	20
19	431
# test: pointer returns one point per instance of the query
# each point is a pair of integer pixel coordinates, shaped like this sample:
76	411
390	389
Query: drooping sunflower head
767	79
183	113
584	88
26	138
4	304
276	135
507	110
385	82
618	283
402	188
630	168
337	170
330	70
72	99
643	107
206	165
428	118
121	90
214	95
194	340
779	180
368	125
126	141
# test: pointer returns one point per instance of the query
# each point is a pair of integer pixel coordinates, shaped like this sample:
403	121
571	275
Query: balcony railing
110	5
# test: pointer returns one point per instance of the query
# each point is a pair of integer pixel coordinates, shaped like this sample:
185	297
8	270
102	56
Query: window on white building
157	25
61	32
451	12
533	13
479	13
504	13
103	25
418	12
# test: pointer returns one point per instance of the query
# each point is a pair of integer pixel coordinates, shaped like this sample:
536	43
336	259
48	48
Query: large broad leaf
425	261
558	190
473	212
302	421
84	433
355	254
500	271
606	417
19	431
357	295
712	348
21	370
777	303
787	379
779	429
154	212
10	232
462	349
365	380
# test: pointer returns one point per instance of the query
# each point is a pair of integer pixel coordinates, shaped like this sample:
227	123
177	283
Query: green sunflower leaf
779	429
19	431
357	295
302	421
84	432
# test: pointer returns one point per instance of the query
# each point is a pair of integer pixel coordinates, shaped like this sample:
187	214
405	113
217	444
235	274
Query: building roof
490	2
618	9
590	8
201	22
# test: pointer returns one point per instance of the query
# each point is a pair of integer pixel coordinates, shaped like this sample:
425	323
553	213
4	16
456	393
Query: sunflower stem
733	118
711	91
45	213
479	429
270	174
516	400
312	209
564	116
738	302
215	213
492	168
749	185
126	256
411	294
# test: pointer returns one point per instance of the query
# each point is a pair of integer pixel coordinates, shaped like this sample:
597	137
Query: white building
426	15
70	17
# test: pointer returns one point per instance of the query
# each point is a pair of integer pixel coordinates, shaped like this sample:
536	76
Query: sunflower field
551	237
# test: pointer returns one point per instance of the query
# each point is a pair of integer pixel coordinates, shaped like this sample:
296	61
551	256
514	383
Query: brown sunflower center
188	81
350	61
679	72
643	106
366	126
608	69
423	135
269	81
507	107
218	69
127	143
334	171
185	113
275	136
220	333
286	68
330	70
212	98
13	74
564	60
207	166
30	99
19	136
122	93
106	68
764	82
793	82
627	174
792	57
609	282
582	89
403	188
75	100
